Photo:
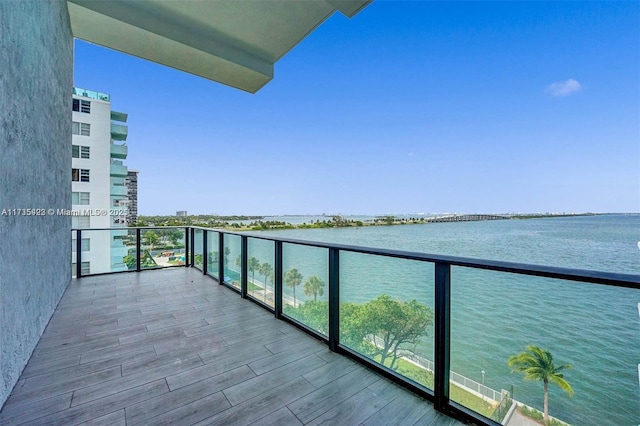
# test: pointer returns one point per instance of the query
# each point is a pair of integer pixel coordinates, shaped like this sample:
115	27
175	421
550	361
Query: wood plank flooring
173	347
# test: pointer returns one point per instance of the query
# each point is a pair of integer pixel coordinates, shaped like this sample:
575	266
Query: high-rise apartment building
131	182
99	194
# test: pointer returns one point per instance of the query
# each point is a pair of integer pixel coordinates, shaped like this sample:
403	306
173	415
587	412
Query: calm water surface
494	315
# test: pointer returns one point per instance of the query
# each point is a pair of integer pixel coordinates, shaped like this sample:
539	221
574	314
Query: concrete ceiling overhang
234	42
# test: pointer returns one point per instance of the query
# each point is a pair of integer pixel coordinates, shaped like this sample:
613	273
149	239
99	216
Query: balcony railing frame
138	248
442	298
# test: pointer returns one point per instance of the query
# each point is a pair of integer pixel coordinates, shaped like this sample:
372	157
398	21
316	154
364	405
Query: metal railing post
243	266
138	251
205	256
220	258
192	255
78	253
277	283
334	299
442	327
186	246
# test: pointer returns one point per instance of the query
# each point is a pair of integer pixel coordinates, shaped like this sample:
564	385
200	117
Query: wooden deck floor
173	347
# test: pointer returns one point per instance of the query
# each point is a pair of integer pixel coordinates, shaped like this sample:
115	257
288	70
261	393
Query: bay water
594	328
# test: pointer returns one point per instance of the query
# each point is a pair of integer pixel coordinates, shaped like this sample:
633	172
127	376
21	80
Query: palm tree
537	364
252	265
266	270
227	252
314	287
292	279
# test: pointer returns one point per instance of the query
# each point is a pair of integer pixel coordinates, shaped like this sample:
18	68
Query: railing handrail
555	272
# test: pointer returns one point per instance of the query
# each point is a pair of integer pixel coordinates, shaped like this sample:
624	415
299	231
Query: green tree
253	265
175	235
314	287
239	261
537	364
313	314
227	252
266	270
292	279
151	238
393	324
130	261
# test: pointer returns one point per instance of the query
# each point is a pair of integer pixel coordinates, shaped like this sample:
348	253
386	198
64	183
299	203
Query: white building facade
98	191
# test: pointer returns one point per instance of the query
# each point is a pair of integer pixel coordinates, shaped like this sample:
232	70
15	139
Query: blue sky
408	107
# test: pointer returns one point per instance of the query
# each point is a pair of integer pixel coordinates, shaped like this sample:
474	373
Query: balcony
92	94
173	347
119	116
117	190
118	170
119	132
119	151
344	295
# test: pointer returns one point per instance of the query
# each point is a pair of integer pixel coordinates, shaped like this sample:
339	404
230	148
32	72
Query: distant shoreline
257	223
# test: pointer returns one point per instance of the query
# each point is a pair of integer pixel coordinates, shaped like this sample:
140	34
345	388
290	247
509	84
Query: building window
86	268
80	198
80	175
82	106
79	151
80	222
82	129
86	245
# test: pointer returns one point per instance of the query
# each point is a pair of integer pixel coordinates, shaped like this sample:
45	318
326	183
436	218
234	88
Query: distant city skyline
409	107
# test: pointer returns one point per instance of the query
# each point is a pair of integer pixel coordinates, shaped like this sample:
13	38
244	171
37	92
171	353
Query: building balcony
119	132
118	170
119	116
92	94
118	190
119	151
176	341
173	347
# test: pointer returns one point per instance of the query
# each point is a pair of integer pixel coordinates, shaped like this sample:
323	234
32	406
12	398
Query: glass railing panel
162	247
260	267
496	316
387	312
197	248
305	290
232	260
213	253
105	251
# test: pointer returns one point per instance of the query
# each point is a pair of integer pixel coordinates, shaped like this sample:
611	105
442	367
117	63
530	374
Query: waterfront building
181	213
98	191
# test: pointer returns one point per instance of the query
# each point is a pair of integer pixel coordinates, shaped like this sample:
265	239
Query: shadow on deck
174	347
